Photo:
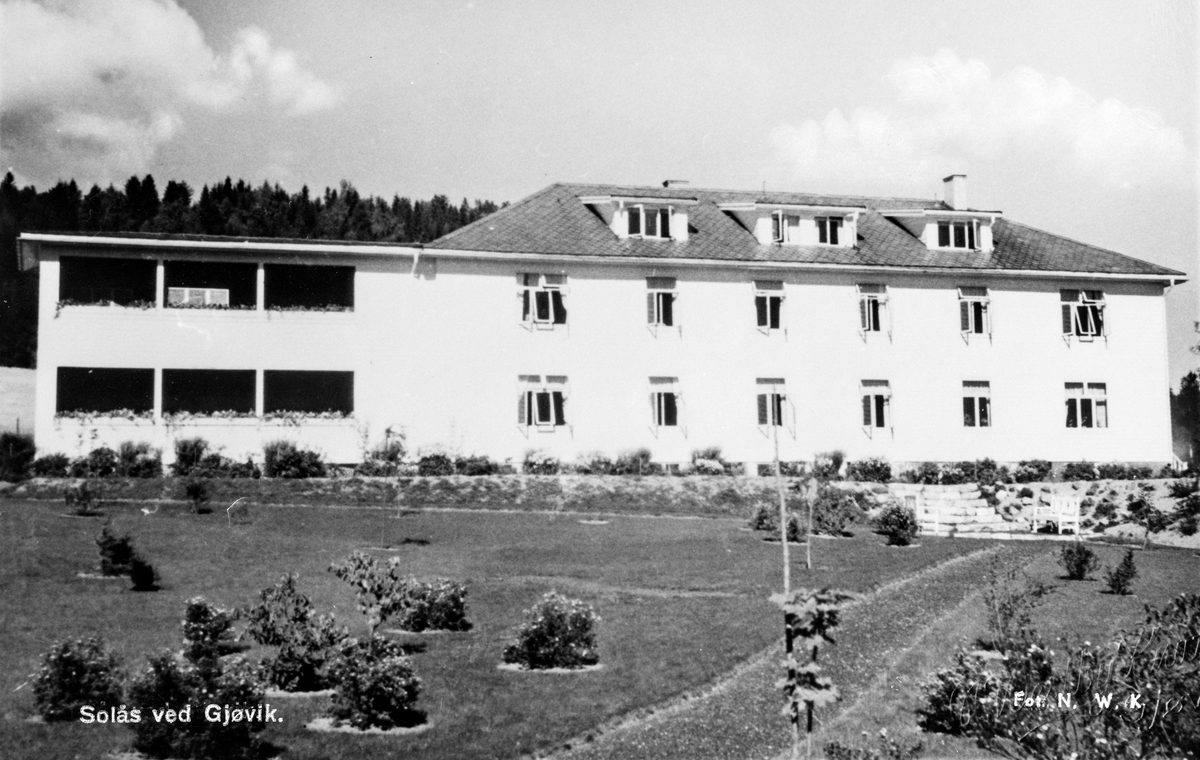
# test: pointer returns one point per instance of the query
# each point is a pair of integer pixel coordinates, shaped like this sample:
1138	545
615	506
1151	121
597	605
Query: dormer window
957	234
784	228
829	229
649	222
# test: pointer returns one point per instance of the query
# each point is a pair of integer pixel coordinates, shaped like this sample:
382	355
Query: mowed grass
681	601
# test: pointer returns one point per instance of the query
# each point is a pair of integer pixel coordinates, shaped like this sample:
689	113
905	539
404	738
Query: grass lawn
681	602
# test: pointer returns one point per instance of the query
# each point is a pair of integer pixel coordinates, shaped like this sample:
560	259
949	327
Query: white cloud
950	114
93	88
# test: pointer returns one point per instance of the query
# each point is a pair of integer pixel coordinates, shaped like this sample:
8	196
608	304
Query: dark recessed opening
205	391
103	389
95	280
291	286
305	391
198	283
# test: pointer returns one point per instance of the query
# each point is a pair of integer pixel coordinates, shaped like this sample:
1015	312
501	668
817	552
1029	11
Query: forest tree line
225	208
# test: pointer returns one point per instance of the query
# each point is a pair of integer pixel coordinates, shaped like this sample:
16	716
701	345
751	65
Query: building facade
597	318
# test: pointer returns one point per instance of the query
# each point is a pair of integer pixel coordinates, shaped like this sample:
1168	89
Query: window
872	309
208	391
197	284
973	318
120	282
768	304
308	392
665	403
542	299
784	228
660	302
876	405
104	389
1087	405
774	408
957	234
649	222
977	403
829	229
1082	314
304	287
542	404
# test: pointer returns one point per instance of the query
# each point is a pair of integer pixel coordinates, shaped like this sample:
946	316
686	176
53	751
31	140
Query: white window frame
876	319
970	234
638	216
659	388
875	397
832	227
785	228
974	312
185	297
1081	310
1089	397
660	290
769	290
978	393
774	407
530	286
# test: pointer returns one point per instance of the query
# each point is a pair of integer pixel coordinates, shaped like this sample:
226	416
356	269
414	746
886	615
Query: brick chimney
956	191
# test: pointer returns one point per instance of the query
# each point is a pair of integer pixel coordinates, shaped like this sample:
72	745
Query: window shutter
651	317
522	404
866	409
762	409
665	223
560	311
863	324
524	305
670	410
760	306
964	316
1098	319
559	417
668	309
1066	319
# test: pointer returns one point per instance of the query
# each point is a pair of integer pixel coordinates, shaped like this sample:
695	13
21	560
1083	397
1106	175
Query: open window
873	313
660	303
115	282
962	234
977	403
768	304
302	287
775	409
876	406
542	402
649	222
974	313
543	300
104	390
210	284
1083	315
208	392
666	405
308	392
785	228
1087	405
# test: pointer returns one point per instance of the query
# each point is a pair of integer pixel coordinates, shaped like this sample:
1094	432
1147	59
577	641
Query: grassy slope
682	602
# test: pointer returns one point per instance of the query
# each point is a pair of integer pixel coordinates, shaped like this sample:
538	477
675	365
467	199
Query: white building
598	318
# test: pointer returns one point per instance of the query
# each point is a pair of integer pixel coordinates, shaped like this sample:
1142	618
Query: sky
1075	117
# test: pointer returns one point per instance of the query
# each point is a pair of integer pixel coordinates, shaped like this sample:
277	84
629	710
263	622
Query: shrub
475	466
834	510
1105	510
437	605
874	470
710	453
196	493
633	463
766	518
1079	471
540	463
557	633
99	463
1188	526
386	458
116	552
382	593
1078	560
170	684
307	642
595	463
16	454
951	474
1010	598
84	498
189	452
138	460
1183	488
1112	471
206	630
1120	578
283	459
50	466
709	467
898	523
142	574
74	674
376	686
1025	493
1032	471
435	465
927	473
828	464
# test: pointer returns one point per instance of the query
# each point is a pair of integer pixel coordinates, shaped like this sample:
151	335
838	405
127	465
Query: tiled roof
554	221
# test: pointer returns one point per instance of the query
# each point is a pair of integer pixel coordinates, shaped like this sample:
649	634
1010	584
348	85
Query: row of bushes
834	512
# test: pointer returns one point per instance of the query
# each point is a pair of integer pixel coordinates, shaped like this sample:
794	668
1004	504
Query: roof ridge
759	192
1109	251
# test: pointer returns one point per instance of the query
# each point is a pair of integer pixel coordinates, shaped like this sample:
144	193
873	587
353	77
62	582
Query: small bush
874	470
142	574
540	463
196	493
437	605
74	674
557	633
193	459
1079	471
1025	493
898	523
1120	578
116	552
766	519
16	454
376	686
1078	560
927	473
1032	471
952	474
283	459
385	459
206	631
1183	488
383	593
435	465
594	463
828	465
633	463
1188	526
83	498
189	452
307	642
138	460
709	467
834	511
476	466
711	453
99	463
50	466
1010	598
1112	471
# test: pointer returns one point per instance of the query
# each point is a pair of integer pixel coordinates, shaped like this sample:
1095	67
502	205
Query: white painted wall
438	354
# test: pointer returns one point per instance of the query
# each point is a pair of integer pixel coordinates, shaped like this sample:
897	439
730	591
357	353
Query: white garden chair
1062	511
